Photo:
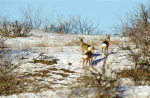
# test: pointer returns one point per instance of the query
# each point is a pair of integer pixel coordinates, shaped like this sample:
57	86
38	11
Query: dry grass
8	81
19	83
67	71
47	62
94	42
62	74
26	46
19	46
115	41
101	38
87	81
12	82
8	84
70	43
140	77
42	43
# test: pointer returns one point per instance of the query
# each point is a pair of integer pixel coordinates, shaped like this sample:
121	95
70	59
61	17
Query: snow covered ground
62	79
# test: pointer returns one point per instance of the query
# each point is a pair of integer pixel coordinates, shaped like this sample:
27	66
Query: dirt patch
47	62
52	69
62	74
67	71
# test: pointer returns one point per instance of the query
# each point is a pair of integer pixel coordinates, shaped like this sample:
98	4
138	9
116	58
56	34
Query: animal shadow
95	55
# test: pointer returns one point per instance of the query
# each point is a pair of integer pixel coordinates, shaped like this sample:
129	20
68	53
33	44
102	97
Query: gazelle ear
81	37
93	46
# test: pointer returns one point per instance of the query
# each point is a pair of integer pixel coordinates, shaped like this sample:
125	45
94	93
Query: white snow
135	92
69	64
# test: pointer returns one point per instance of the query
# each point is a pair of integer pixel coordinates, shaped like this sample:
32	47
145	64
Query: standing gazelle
85	47
88	56
105	44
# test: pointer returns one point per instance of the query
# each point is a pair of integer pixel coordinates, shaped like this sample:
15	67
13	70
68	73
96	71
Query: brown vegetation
14	29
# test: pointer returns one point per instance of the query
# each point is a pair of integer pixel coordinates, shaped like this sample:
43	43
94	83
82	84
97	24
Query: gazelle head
108	38
81	40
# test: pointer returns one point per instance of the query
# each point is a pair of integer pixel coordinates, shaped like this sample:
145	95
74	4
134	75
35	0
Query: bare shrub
137	29
74	25
5	29
8	80
31	17
105	83
14	29
85	26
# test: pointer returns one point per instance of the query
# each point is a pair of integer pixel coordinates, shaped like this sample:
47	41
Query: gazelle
85	47
105	44
88	56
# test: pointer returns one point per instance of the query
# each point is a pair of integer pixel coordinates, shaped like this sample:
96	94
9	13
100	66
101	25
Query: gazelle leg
107	50
83	63
89	63
104	52
86	62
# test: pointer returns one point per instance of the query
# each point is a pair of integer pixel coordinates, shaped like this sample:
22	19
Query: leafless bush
63	27
137	32
14	29
8	80
85	26
20	29
31	17
5	28
106	83
74	25
137	29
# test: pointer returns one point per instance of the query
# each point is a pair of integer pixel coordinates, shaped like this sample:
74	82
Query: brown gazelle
105	44
88	56
85	47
